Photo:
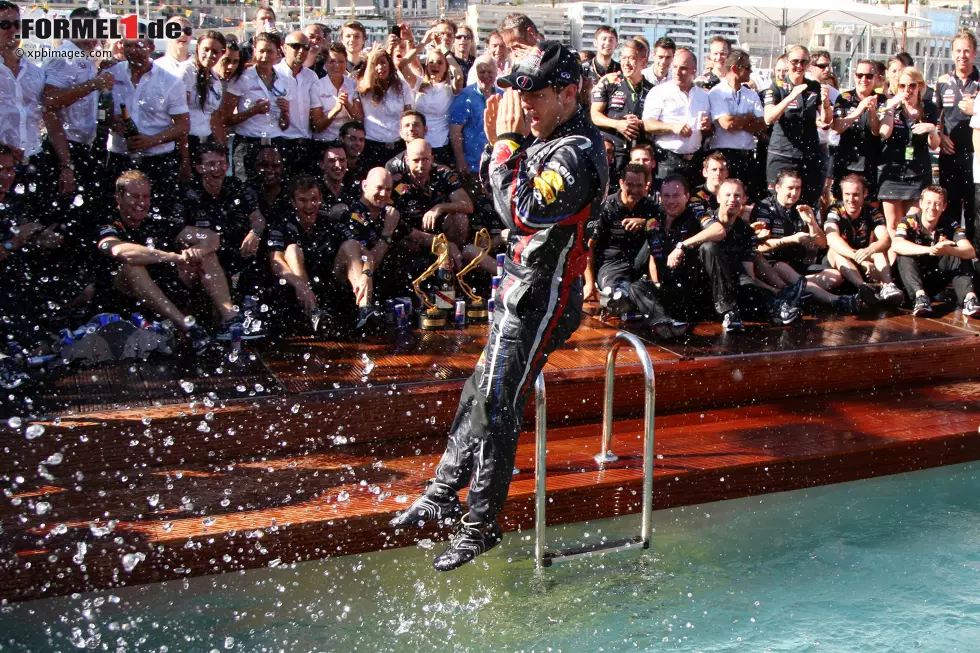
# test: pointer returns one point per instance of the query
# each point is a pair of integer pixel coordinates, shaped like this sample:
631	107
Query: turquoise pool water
890	564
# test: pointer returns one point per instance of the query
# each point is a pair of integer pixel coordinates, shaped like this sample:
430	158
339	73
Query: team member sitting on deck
859	241
226	206
157	258
934	251
739	247
431	199
411	126
334	167
715	171
619	255
686	258
790	238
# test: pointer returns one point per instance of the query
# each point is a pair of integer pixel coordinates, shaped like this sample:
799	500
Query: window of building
821	41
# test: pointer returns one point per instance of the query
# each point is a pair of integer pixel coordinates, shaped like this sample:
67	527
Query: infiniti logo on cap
524	82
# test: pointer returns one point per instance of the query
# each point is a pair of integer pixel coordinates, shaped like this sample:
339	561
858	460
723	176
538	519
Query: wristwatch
368	273
386	240
680	246
258	234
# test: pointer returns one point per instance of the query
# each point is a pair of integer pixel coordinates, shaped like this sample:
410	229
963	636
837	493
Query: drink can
495	283
236	338
401	318
490	306
460	315
630	317
500	264
67	337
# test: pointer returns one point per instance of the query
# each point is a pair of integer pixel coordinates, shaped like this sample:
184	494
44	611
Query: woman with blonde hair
381	98
434	90
909	129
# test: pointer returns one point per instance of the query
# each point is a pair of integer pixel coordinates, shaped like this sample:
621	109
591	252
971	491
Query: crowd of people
292	183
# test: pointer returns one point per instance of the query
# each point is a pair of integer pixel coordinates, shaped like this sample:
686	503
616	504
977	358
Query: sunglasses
298	46
187	31
799	62
7	24
864	75
821	66
911	86
464	37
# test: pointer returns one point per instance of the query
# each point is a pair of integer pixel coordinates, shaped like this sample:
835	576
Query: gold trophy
433	318
476	306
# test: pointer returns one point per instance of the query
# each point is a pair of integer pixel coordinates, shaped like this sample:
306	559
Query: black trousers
742	166
956	176
669	163
531	318
811	168
933	273
641	291
701	278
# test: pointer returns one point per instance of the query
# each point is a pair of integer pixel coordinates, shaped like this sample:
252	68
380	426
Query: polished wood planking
336	502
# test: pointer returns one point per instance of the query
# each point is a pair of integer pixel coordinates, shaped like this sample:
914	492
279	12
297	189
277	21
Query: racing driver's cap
549	64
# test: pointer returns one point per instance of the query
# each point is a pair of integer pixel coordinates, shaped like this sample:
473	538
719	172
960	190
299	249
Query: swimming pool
890	564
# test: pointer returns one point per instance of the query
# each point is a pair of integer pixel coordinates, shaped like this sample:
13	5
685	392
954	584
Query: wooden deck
307	448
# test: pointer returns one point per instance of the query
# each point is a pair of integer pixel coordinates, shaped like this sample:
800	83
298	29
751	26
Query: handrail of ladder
541	557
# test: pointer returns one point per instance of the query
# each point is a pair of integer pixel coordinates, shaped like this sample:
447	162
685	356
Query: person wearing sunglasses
738	116
178	55
302	103
856	120
797	107
464	49
909	128
21	86
822	70
157	104
956	94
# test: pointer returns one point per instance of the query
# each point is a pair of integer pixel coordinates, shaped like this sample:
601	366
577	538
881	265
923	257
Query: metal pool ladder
543	557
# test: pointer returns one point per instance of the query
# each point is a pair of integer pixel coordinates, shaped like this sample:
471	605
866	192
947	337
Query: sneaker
368	319
679	328
891	294
732	322
867	295
786	313
468	541
662	329
848	304
200	339
971	306
439	503
922	305
614	300
793	294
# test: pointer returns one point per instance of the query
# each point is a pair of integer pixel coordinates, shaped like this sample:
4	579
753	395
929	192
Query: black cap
549	64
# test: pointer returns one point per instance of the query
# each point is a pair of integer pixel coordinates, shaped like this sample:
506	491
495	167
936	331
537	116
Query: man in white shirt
21	87
157	105
303	99
72	90
659	70
737	114
677	113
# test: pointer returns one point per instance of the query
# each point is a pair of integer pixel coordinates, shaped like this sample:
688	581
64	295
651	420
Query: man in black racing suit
547	187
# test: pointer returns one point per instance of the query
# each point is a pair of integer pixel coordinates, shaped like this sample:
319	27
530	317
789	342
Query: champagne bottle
129	127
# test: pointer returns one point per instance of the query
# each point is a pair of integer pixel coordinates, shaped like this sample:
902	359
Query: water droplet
343	496
54	459
130	560
33	431
187	386
153	500
42	507
229	642
14	422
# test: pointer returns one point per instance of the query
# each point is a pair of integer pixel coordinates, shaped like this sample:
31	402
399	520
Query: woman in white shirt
434	95
381	98
204	94
256	103
336	91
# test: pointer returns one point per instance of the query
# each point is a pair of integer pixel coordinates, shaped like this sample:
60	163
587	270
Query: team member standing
157	105
204	95
259	95
796	107
659	70
606	41
617	102
909	129
336	91
548	176
718	50
956	95
434	93
739	117
354	37
302	105
678	114
178	55
856	120
381	98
